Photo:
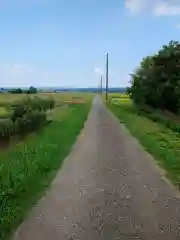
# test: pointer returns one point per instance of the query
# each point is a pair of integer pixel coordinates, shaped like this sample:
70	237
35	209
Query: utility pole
107	75
101	85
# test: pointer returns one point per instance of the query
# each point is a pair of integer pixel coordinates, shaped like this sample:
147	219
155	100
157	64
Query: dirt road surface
108	188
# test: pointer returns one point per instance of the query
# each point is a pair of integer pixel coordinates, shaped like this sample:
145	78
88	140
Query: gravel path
108	188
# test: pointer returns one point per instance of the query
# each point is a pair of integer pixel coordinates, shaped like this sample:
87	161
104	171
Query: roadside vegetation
28	166
25	116
151	108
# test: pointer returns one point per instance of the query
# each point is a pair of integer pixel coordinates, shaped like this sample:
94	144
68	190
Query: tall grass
27	168
155	137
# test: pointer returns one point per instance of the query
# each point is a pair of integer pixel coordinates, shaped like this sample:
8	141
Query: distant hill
59	89
95	90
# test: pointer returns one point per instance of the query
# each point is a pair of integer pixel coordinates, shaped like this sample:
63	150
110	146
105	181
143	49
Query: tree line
31	90
156	81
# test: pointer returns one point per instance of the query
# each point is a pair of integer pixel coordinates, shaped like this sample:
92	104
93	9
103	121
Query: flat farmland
60	98
6	99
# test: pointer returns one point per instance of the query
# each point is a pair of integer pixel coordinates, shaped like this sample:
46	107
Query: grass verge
155	137
28	168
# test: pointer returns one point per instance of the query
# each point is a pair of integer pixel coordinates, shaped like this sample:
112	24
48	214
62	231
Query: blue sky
63	42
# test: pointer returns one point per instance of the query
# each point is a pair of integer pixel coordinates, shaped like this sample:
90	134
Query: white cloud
157	7
167	9
136	6
98	71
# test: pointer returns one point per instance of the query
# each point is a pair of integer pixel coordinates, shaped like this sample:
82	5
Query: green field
27	167
154	136
4	112
6	99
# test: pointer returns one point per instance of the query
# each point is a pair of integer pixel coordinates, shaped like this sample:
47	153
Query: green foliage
161	117
27	116
31	90
156	82
7	129
30	121
27	168
16	91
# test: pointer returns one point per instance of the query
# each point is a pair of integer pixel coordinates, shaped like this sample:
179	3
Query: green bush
27	116
7	129
30	122
156	116
16	91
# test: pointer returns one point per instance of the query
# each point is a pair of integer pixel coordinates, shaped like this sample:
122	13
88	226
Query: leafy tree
32	90
16	91
156	82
